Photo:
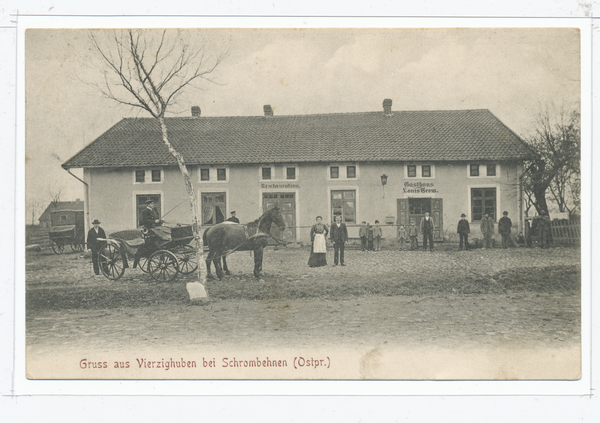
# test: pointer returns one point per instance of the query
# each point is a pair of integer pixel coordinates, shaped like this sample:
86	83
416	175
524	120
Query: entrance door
286	201
438	218
413	210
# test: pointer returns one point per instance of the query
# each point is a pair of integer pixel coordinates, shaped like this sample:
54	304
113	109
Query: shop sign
419	188
279	186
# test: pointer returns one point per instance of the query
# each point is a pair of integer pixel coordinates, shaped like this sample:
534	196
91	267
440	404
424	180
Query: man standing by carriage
94	244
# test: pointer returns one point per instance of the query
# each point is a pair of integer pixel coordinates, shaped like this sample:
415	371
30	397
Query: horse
227	237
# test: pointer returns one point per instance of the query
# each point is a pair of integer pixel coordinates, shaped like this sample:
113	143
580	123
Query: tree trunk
192	201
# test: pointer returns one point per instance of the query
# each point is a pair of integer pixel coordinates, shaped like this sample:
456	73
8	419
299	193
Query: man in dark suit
94	244
339	235
504	225
233	218
427	228
149	216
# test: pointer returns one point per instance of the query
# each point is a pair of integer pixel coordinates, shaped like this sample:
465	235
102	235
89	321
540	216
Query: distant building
44	219
387	166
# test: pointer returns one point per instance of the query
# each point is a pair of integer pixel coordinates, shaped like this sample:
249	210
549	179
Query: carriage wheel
163	266
58	248
111	262
186	256
77	247
143	264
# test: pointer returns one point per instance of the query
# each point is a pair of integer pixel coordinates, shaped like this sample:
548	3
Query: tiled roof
444	135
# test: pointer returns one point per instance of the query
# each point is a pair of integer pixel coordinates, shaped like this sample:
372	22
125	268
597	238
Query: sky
511	72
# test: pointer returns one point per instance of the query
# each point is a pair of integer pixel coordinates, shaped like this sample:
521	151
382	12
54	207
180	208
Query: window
412	171
290	173
205	174
221	174
266	173
144	176
140	176
491	170
483	201
343	203
350	172
334	172
63	218
213	207
474	170
426	171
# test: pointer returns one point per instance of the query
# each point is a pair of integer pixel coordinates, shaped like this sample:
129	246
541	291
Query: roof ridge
312	114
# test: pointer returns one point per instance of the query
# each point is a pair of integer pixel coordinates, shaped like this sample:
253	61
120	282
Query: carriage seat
134	243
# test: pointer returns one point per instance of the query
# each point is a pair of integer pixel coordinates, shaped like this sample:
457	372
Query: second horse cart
165	252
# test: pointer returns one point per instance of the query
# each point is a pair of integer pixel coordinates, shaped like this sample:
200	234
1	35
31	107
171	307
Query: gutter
86	210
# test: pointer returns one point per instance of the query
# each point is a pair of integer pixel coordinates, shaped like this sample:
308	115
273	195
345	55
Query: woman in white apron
318	235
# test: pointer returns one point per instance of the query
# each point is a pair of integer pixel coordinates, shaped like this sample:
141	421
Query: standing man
504	226
543	228
463	231
149	216
377	233
427	228
94	244
233	218
487	229
339	235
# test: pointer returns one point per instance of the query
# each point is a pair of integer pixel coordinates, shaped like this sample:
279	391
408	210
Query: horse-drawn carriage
164	252
67	228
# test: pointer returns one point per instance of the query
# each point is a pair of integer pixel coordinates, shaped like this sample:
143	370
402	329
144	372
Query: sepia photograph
303	204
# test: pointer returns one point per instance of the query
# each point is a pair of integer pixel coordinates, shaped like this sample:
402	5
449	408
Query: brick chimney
387	107
268	110
196	111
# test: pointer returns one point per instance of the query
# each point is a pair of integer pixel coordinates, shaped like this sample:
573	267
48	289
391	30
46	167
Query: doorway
414	209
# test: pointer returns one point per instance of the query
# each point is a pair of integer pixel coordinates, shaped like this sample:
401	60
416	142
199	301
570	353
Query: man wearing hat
463	231
94	244
233	218
149	216
504	226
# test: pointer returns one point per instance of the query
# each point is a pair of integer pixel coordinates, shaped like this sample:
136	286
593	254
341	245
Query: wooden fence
566	231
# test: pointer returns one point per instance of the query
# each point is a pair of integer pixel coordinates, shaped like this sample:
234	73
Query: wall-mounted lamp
383	182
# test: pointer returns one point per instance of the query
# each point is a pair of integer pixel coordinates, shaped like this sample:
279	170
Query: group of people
487	230
370	236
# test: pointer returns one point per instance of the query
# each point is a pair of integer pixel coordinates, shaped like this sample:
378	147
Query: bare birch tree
150	70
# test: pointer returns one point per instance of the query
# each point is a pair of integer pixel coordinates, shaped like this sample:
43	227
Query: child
377	236
413	233
402	236
362	233
369	237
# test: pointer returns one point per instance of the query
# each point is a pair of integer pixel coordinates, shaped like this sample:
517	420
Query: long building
391	166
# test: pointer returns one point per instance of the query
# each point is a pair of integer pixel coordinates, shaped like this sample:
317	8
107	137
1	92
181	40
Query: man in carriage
151	223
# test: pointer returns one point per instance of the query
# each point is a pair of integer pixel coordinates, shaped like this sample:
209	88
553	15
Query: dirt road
453	300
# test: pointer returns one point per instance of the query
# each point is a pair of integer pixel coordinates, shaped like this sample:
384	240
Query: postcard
337	204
